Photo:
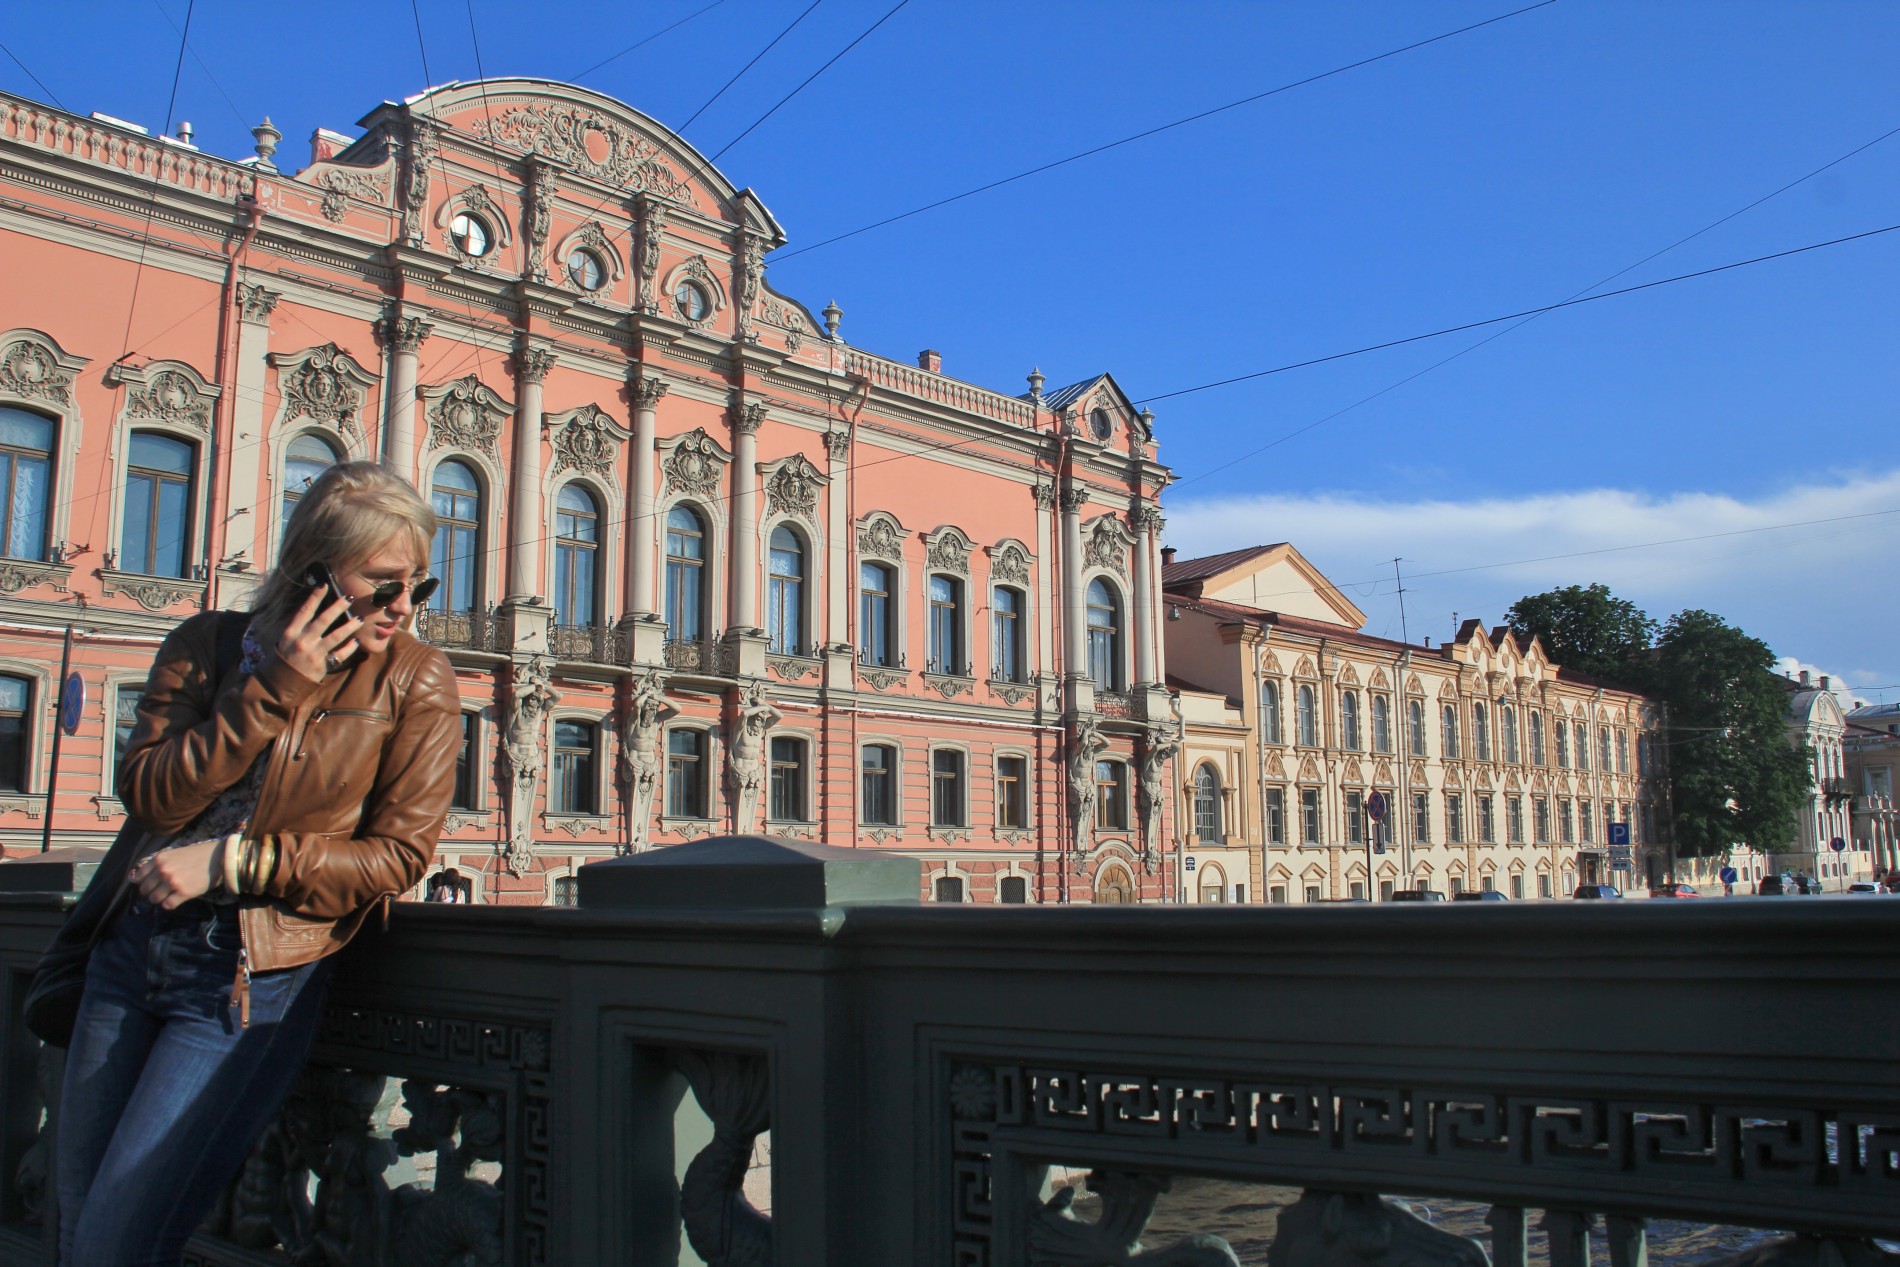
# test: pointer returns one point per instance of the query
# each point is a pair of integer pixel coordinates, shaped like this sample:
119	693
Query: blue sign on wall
1619	833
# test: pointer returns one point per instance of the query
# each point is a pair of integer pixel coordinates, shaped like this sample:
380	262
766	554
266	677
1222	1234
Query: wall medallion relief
33	368
696	465
948	550
325	385
880	536
590	143
465	414
339	185
166	392
1009	564
586	439
793	488
1107	547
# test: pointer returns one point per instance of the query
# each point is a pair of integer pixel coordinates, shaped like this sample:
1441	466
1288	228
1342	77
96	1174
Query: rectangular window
1487	822
877	632
946	788
1566	822
879	784
1111	796
946	627
1276	816
1541	808
1454	818
126	722
1457	884
1007	662
1385	890
788	780
1517	887
1012	890
158	500
1514	819
1583	746
1356	890
1586	818
15	696
1312	892
1422	817
1309	815
465	762
1012	792
574	789
1355	818
949	888
1487	883
1543	885
686	774
1269	712
1276	894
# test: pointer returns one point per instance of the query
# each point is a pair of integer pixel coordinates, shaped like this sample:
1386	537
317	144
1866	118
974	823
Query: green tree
1588	629
1734	775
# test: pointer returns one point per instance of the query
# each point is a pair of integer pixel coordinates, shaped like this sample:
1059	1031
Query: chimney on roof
184	131
1827	683
1167	555
1804	677
325	144
930	359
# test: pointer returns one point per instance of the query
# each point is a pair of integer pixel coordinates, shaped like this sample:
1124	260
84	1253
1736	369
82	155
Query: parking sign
1619	834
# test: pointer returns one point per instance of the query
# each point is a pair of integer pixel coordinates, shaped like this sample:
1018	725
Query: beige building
1321	763
1871	751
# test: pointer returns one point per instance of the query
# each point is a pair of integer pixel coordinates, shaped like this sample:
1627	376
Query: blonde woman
280	805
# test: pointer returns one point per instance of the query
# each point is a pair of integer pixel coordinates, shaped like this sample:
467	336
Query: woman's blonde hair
348	514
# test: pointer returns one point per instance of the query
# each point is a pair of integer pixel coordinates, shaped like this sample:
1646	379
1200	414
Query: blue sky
1502	169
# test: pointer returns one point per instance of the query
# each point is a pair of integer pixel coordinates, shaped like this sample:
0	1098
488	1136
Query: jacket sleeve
322	877
193	740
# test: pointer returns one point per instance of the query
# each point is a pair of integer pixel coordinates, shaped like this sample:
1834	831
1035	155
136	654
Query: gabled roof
1062	397
1182	571
1220	575
1118	401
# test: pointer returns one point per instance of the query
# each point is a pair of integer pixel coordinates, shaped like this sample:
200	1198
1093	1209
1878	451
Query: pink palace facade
706	567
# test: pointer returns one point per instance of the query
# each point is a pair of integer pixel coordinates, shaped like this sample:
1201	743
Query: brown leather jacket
362	765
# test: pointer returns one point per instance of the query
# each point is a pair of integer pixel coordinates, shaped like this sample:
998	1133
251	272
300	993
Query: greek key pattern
1708	1153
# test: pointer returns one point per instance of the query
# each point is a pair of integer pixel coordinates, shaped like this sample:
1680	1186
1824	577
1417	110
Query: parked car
1775	885
1417	895
1591	892
1674	890
1479	895
1804	883
1863	886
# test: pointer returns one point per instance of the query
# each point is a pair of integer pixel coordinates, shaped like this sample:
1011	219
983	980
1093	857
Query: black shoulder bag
52	1000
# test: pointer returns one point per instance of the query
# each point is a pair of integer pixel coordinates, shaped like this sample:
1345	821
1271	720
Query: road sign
1619	857
1619	834
1375	807
1837	844
1190	864
1728	875
72	702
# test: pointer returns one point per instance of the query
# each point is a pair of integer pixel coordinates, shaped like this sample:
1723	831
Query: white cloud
1808	568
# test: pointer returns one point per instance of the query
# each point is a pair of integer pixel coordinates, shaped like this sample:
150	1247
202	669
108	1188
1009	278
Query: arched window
1105	636
576	554
1270	712
307	457
1007	661
1213	883
945	642
26	467
785	603
1582	736
1603	748
1481	730
1415	726
1537	737
158	500
1381	724
685	575
1349	720
1207	806
1449	725
877	615
1306	717
16	693
457	555
1507	727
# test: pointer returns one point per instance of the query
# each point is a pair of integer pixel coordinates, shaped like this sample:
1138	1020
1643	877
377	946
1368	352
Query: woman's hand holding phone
320	626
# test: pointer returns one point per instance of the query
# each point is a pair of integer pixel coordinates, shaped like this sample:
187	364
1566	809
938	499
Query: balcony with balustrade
587	1084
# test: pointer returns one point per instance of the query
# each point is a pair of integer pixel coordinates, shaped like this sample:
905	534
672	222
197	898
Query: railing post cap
738	873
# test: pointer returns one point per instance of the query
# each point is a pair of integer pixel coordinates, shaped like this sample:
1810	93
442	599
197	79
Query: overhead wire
643	42
740	74
50	94
807	81
782	256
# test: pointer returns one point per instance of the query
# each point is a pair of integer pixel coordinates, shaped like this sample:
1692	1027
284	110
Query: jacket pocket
338	754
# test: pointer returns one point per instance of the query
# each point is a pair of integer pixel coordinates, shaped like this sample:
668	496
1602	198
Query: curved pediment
596	137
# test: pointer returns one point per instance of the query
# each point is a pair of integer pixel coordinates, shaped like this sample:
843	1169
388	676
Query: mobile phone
319	577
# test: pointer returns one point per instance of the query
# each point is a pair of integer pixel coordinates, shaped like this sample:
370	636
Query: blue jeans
165	1093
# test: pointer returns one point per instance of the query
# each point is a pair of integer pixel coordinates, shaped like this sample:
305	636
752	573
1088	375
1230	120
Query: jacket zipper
303	736
241	988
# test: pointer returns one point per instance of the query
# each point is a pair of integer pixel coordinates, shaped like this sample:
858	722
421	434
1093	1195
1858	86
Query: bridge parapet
586	1085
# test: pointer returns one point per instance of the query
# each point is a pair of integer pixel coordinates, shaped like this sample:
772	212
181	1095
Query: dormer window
471	235
1099	424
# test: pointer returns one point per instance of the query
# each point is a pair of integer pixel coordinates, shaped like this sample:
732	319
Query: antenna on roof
1403	635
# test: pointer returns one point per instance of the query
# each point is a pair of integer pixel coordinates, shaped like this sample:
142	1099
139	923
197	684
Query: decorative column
1074	601
643	528
525	529
242	533
402	337
1045	495
838	578
742	601
1146	519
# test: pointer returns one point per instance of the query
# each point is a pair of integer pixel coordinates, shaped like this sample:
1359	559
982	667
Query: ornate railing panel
708	656
597	644
461	630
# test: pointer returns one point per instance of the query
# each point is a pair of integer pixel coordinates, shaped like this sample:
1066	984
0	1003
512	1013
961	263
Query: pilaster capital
255	302
838	445
1144	517
402	334
647	391
1074	499
1045	496
532	363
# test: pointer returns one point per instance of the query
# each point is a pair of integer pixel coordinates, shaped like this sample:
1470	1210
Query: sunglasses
389	591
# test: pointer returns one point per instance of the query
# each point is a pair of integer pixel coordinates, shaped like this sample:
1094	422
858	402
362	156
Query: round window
1099	424
470	235
691	300
585	270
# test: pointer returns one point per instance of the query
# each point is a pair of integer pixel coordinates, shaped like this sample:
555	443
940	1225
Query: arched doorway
1114	886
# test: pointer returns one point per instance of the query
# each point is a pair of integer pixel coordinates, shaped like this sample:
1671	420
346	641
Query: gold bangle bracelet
228	860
